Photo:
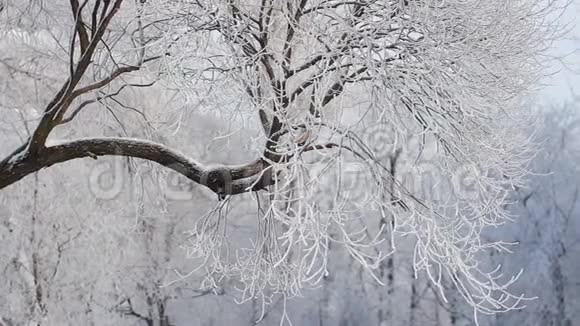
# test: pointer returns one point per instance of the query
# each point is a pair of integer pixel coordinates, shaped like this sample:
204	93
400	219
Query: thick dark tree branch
224	180
34	155
291	29
266	8
80	25
94	14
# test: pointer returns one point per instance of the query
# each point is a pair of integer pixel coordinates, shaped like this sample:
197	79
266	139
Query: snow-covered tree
320	92
550	207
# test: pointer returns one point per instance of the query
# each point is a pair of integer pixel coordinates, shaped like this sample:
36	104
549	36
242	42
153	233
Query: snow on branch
379	119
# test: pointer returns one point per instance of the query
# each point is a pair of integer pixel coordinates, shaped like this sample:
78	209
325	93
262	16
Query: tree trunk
414	301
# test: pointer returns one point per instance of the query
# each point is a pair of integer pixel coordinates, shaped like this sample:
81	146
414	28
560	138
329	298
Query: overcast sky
569	73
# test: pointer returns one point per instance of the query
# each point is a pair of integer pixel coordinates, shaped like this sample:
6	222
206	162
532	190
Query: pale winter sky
568	76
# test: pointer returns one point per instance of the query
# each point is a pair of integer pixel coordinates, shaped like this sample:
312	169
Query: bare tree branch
79	24
225	180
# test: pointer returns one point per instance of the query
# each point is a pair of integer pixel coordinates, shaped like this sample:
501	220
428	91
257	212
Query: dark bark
34	155
225	180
